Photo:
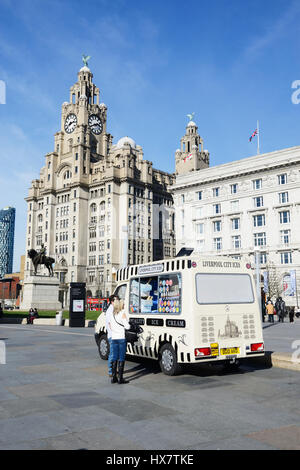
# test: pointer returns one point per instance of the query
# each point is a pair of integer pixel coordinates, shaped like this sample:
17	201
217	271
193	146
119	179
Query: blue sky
155	61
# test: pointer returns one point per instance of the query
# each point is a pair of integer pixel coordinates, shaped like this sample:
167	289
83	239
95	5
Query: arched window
93	208
67	175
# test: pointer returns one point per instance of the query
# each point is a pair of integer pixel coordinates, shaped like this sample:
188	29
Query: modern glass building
7	232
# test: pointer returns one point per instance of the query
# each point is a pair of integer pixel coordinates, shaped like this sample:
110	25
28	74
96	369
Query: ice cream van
192	310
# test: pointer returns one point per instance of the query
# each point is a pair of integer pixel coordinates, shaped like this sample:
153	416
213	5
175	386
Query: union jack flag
253	134
188	157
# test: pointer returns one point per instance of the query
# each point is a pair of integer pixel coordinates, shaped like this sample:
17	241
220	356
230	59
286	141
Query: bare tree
275	285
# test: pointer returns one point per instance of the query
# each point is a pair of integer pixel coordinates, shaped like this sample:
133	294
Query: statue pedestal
40	292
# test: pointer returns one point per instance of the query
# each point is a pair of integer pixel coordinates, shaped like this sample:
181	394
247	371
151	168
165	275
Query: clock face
70	123
95	124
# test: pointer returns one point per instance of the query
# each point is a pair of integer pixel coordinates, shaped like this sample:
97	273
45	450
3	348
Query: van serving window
215	288
156	294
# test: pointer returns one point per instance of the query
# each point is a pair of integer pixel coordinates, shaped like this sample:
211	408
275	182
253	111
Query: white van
192	309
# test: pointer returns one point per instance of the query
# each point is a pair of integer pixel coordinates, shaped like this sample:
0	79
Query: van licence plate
228	351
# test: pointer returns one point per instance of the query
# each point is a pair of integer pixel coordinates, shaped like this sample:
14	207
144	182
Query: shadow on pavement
149	366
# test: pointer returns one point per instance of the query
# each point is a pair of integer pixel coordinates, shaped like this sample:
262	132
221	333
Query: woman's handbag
132	335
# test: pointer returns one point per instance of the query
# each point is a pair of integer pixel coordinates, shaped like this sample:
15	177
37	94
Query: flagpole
257	138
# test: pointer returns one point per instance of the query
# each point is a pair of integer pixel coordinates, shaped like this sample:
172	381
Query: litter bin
59	318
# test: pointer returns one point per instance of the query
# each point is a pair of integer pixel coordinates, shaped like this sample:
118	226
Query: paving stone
283	438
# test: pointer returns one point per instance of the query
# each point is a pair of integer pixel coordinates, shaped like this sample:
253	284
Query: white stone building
97	206
240	208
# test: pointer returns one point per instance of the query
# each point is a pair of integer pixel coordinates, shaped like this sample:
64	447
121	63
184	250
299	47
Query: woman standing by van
118	325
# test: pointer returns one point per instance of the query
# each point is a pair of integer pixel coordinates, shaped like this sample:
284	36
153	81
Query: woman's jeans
109	356
118	349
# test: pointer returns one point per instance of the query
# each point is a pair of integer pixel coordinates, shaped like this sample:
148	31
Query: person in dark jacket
292	314
280	309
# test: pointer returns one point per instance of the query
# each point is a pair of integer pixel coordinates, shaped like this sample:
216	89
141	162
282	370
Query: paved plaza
55	394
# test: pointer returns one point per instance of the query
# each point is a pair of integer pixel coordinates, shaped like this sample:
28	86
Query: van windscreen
213	288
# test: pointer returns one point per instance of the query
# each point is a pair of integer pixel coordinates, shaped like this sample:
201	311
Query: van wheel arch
167	358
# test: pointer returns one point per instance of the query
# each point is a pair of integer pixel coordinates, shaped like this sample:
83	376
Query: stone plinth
40	292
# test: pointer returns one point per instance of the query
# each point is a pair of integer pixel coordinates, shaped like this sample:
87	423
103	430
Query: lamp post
257	269
125	245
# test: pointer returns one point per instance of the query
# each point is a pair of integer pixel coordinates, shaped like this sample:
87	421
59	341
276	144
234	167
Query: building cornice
240	168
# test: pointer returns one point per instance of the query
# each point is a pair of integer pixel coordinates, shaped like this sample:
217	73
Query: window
199	195
92	246
93	208
257	184
258	201
121	292
217	244
285	236
236	242
182	198
235	223
216	192
282	179
283	197
284	217
262	257
217	208
260	239
199	212
224	289
156	294
217	226
234	206
259	220
199	229
92	260
233	188
286	257
200	245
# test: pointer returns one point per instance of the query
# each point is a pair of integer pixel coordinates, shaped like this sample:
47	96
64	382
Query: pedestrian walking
292	314
30	317
118	325
108	314
270	311
263	308
280	309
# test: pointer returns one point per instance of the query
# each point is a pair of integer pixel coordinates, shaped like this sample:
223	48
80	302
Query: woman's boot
114	372
120	375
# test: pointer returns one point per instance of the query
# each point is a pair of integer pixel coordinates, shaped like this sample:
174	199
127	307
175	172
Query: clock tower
92	206
191	156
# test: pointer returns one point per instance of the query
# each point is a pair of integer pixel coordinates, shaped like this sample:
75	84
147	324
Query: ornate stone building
248	207
97	206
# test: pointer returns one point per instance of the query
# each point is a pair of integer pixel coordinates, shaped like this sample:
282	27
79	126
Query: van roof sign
151	269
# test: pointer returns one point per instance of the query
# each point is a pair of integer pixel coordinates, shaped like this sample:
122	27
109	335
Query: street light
125	245
257	268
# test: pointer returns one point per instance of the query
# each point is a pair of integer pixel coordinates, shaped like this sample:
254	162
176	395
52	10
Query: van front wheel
103	347
168	360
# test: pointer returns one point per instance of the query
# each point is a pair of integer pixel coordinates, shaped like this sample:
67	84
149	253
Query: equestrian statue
41	258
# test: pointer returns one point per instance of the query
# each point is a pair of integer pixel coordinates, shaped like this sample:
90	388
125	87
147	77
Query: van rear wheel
168	360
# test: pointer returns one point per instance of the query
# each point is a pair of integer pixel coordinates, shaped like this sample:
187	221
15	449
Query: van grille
208	330
249	326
